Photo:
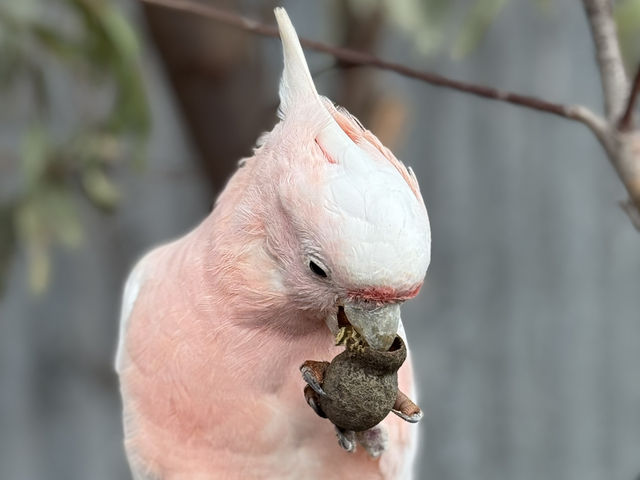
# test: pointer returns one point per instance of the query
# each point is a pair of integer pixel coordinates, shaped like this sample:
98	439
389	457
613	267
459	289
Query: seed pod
361	385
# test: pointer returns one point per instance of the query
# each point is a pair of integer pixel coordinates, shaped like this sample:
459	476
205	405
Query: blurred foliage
476	23
627	15
457	26
88	42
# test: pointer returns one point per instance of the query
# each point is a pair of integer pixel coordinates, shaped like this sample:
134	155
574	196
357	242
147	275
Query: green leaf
62	218
46	216
119	33
56	43
109	35
476	24
31	229
100	190
39	262
114	49
131	111
34	154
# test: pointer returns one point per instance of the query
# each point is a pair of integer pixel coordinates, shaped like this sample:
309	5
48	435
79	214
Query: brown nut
361	386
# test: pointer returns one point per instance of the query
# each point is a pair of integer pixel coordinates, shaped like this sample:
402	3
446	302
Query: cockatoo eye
317	269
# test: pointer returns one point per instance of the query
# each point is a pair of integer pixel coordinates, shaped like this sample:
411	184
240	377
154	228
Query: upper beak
377	324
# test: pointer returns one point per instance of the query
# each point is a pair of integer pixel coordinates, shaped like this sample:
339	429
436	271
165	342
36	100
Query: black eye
316	269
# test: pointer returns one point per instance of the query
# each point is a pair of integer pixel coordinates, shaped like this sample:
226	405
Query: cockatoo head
350	228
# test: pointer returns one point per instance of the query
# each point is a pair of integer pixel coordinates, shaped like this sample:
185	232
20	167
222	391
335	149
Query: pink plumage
216	324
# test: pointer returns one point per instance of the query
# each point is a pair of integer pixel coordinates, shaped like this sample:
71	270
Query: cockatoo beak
378	324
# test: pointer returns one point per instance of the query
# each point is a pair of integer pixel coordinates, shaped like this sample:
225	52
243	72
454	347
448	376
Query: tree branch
626	122
621	140
615	84
353	57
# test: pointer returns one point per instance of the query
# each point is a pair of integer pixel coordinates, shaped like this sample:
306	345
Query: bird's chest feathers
242	380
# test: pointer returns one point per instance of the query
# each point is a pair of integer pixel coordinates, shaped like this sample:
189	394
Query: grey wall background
526	337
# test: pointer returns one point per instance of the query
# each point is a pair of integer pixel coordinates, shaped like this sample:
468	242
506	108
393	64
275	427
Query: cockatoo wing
130	294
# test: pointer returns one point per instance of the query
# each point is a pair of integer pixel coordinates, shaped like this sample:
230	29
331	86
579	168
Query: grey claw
375	440
415	418
315	407
309	377
346	439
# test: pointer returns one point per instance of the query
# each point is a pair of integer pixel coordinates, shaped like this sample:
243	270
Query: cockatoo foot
312	400
313	374
375	440
406	409
415	418
346	439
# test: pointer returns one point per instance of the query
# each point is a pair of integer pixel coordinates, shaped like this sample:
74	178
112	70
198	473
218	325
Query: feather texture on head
355	207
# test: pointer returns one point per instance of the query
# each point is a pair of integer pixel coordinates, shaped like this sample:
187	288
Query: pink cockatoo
216	324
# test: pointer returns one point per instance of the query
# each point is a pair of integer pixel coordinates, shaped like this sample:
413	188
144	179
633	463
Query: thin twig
595	122
353	57
615	84
626	121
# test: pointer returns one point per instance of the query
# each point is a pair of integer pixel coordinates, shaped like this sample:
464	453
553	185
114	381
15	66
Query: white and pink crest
360	212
